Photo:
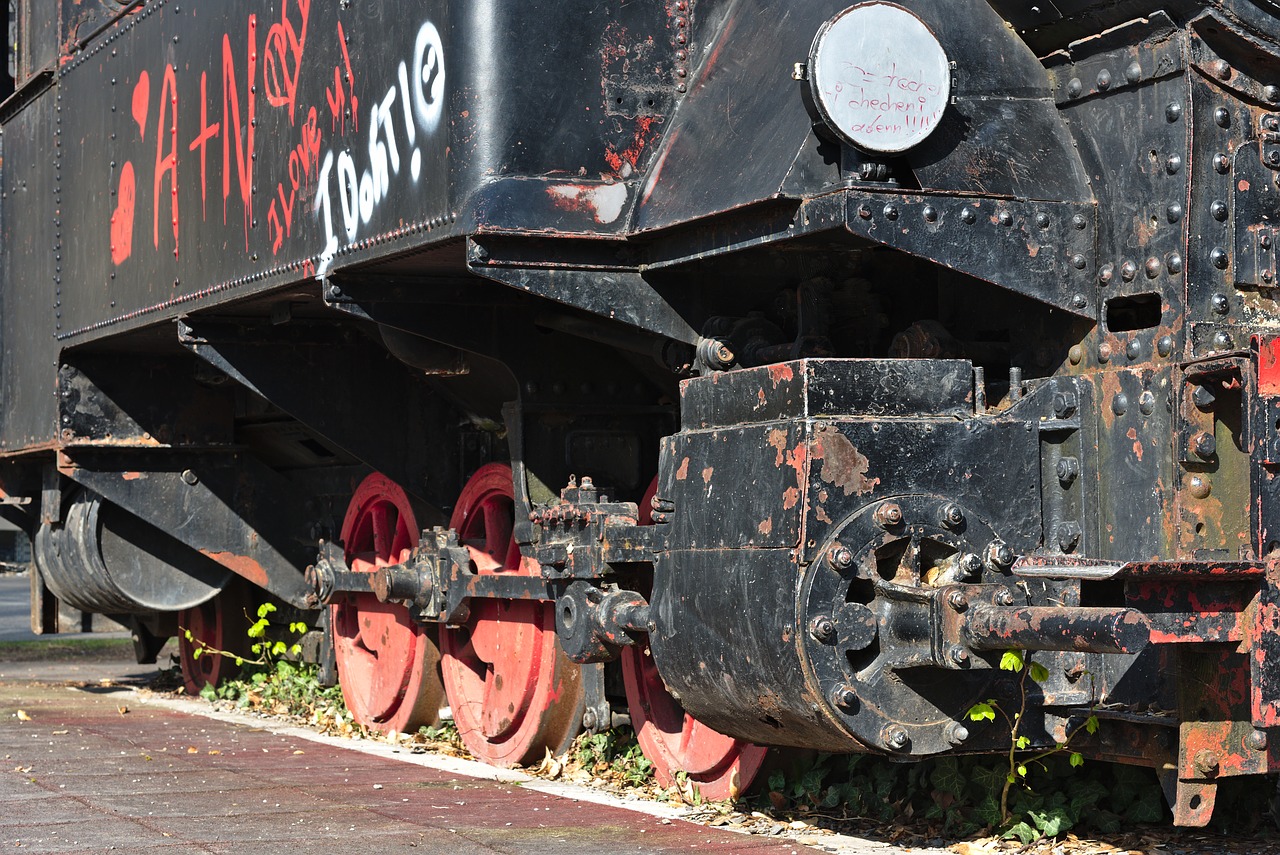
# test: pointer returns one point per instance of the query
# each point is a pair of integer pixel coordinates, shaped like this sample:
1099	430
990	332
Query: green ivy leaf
988	811
1077	759
1022	771
1039	673
1023	832
1091	724
988	780
983	710
1051	822
1011	661
947	777
1022	742
266	609
208	692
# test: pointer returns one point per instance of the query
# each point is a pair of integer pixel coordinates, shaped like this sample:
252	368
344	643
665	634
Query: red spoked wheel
513	692
388	665
719	766
216	626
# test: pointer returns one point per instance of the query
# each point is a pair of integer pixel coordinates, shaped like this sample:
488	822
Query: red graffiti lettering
282	58
122	216
207	132
338	96
302	159
233	127
141	100
167	163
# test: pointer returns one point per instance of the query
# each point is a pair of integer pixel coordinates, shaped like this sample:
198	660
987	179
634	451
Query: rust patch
778	439
843	465
241	565
821	514
706	474
1137	443
1244	186
131	476
790	498
780	373
683	471
765	527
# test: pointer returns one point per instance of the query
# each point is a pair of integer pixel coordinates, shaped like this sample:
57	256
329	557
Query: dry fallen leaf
122	709
298	751
191	749
214	751
60	733
22	716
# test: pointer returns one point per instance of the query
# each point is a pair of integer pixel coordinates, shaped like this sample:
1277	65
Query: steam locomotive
756	372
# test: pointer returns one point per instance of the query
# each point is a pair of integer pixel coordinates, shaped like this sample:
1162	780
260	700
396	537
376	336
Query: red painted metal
720	766
514	694
1268	365
220	624
387	663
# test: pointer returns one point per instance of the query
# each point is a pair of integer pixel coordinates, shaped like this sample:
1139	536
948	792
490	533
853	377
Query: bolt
971	564
840	557
1069	534
957	733
1068	470
959	656
1206	763
1257	740
1064	404
957	600
1202	397
1203	445
189	477
895	737
888	514
952	516
822	628
1004	598
1000	554
845	698
589	720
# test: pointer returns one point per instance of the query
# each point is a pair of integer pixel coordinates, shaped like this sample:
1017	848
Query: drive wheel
513	692
719	766
388	664
218	624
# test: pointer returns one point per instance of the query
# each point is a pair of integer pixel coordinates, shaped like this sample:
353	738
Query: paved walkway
99	770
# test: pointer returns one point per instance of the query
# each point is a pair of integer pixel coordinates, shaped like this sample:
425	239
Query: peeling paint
683	472
843	465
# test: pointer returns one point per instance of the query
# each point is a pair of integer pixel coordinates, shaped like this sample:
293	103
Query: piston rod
1084	630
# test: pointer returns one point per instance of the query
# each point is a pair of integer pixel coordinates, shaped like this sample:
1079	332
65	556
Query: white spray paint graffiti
421	100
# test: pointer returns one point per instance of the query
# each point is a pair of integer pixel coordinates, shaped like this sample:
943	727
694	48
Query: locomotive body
738	366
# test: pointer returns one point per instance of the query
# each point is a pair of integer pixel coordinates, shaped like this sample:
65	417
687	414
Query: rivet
1267	276
864	211
1078	222
1164	346
1173	164
1133	349
1078	262
1271	93
1146	401
1120	404
1221	69
930	214
1257	739
1173	213
1104	80
1174	263
890	212
1079	301
1222	117
1218	210
1173	111
1075	355
1074	87
1005	218
1153	267
1221	164
1221	341
1128	270
1221	305
1198	487
1106	272
1104	352
967	215
1219	257
1042	220
1133	72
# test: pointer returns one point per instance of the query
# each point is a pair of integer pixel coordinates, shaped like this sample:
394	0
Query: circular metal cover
879	77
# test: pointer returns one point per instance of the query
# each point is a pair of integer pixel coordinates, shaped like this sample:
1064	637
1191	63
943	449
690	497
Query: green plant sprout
1020	663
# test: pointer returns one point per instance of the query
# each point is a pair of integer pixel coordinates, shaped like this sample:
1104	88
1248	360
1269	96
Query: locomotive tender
756	370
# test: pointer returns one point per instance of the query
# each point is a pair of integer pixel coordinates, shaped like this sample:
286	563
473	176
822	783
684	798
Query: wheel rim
513	692
720	766
221	623
387	663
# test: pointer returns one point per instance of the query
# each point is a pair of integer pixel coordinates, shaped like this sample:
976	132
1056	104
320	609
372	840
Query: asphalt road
15	612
